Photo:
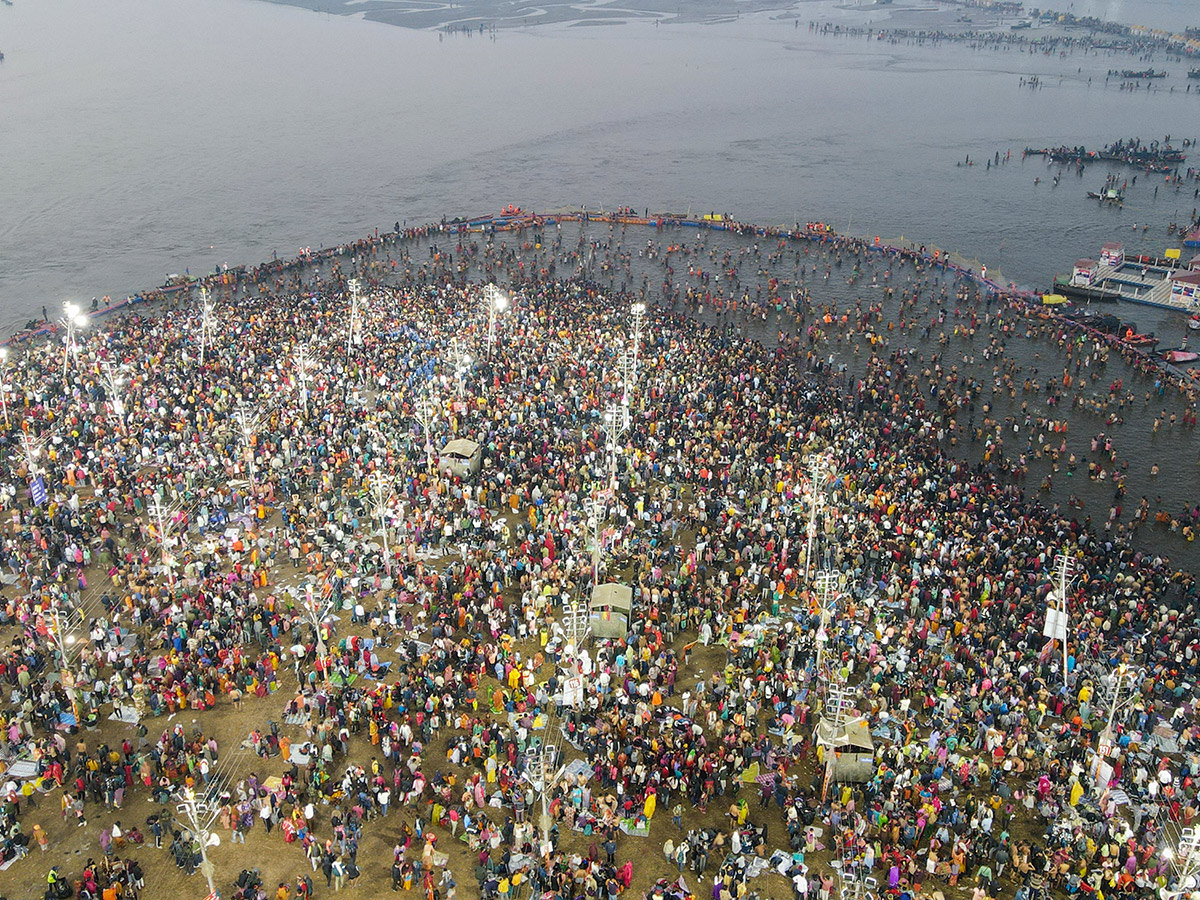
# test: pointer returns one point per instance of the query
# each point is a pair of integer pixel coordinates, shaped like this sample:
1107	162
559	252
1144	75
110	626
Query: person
397	874
338	870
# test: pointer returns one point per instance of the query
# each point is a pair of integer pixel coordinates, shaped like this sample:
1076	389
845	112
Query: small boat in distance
1140	340
1194	73
1194	322
1181	354
1108	195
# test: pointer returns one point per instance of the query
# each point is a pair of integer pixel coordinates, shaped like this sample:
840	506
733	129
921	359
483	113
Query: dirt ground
71	846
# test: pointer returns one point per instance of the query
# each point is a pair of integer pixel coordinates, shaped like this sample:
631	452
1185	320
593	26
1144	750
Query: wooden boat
1180	357
1142	73
1181	354
1107	195
1194	73
1141	340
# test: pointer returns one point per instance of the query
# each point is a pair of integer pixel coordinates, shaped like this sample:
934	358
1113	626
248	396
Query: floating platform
1163	282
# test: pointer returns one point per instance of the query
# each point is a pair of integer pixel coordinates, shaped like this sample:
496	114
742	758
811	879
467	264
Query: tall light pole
248	422
826	584
31	449
207	308
304	363
4	383
628	362
426	412
638	313
163	515
72	319
614	427
113	382
318	611
381	494
496	301
596	510
626	367
1056	610
462	365
59	628
200	815
354	304
819	469
1118	688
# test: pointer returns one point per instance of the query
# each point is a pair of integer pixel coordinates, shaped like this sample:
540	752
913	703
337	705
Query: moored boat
1181	354
1108	195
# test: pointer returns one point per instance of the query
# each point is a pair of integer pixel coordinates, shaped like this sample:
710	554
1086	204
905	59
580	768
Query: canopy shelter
460	458
854	746
610	608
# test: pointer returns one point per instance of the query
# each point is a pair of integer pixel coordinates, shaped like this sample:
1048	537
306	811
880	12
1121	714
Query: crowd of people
270	534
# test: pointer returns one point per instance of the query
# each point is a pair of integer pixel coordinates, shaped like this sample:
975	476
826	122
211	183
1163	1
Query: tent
854	746
610	607
460	458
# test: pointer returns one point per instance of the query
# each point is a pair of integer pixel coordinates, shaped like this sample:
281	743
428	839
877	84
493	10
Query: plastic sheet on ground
576	768
633	829
127	714
22	770
755	866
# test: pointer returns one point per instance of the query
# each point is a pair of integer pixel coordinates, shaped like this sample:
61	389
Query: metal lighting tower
1117	689
426	412
248	422
113	382
4	383
207	308
200	815
304	363
31	449
318	611
462	365
577	628
1056	610
354	305
496	301
162	515
819	470
60	628
596	510
627	366
630	365
544	769
381	494
614	427
638	313
72	319
826	584
1185	864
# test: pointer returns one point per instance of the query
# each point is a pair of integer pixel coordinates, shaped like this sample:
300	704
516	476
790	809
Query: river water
141	137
